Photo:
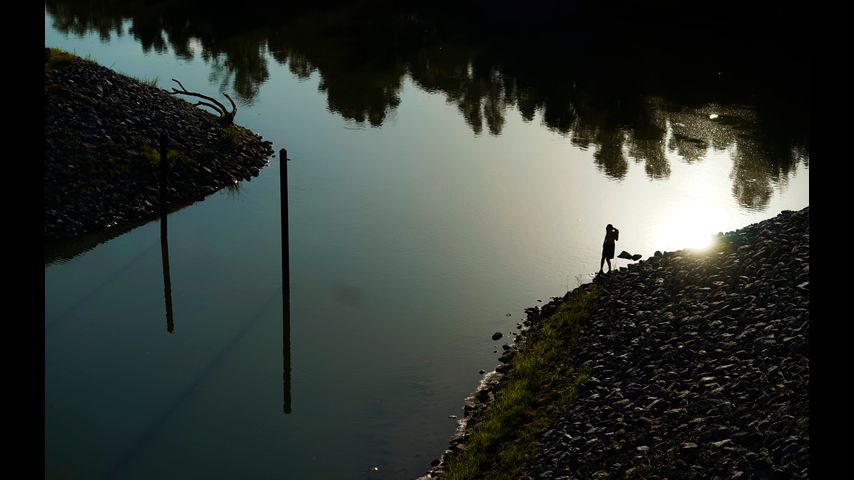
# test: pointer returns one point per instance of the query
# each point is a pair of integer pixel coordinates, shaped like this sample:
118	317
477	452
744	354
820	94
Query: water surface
432	199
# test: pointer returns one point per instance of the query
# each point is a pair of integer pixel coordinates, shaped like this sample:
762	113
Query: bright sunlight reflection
693	228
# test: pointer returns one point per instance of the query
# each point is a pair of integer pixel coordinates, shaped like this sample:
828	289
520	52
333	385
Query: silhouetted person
611	236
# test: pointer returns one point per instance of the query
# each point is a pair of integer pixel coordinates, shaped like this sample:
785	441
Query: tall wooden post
283	194
164	178
286	282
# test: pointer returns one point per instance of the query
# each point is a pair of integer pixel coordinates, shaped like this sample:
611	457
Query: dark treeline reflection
634	81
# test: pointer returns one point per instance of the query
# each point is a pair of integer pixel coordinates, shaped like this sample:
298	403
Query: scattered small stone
699	366
96	175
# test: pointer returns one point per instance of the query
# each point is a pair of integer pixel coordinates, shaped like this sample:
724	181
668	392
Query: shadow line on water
218	358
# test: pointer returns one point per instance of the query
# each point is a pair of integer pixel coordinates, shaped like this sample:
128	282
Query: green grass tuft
231	135
151	82
55	58
150	157
537	388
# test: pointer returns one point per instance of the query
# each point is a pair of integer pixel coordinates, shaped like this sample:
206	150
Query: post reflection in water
164	233
167	283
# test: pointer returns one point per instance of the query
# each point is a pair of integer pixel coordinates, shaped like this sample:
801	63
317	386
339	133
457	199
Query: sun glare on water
684	228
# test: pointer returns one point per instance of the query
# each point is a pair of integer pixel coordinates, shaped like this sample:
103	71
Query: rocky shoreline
698	363
102	132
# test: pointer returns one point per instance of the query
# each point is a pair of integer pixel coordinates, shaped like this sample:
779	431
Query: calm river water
429	205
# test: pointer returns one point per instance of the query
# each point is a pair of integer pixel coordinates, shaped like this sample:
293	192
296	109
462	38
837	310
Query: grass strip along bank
501	438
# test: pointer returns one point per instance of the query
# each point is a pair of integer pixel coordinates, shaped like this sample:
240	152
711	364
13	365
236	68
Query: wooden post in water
164	179
286	282
164	239
283	194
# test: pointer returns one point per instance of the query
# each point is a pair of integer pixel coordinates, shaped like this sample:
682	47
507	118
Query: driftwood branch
206	104
233	106
225	116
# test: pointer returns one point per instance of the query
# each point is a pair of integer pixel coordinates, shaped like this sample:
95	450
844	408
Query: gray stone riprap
700	366
96	124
